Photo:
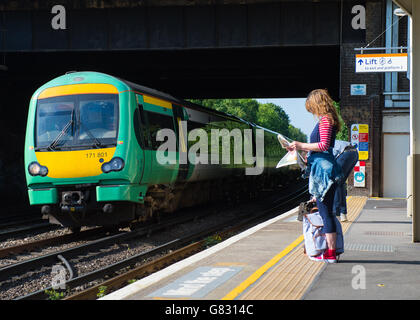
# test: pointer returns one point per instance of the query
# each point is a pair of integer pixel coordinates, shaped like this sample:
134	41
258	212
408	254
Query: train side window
141	127
137	130
157	122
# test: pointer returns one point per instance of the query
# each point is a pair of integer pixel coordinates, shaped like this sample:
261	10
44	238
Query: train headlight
35	169
116	164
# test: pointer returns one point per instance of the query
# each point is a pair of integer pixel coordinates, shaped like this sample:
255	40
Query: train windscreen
77	121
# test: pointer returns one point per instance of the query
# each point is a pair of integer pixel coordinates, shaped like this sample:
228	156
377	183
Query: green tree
273	117
296	134
267	115
343	134
243	108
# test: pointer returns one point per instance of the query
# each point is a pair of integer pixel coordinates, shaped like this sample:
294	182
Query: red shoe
319	258
330	256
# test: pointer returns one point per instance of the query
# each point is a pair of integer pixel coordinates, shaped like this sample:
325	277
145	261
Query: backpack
315	241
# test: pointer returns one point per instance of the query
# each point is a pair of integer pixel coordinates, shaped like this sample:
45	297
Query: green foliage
102	291
54	295
344	132
273	117
243	108
267	115
212	240
296	134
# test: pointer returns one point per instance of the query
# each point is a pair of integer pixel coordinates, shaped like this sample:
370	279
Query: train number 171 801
96	155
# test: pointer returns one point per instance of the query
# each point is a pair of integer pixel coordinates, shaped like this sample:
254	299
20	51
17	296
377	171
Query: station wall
365	109
386	114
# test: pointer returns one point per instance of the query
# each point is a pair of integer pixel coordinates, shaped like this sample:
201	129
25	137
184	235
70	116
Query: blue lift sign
382	62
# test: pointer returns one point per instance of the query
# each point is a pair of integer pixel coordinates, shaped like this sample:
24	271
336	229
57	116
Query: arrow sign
388	62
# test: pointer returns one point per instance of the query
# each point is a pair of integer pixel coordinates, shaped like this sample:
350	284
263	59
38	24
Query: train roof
149	91
168	97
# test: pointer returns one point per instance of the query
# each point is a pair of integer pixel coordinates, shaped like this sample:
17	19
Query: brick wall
365	109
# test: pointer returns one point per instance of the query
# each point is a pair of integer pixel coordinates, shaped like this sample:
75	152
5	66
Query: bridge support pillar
412	7
414	201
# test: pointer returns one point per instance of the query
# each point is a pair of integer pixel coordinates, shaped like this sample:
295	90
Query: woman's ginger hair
320	104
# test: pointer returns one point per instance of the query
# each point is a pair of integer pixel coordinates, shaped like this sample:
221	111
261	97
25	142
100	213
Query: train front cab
80	158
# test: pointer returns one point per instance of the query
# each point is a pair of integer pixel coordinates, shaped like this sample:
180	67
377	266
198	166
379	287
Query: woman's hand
295	145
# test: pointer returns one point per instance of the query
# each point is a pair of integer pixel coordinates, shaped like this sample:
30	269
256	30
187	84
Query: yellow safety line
314	269
257	274
387	198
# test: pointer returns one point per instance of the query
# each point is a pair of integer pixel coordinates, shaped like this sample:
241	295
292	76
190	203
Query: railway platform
267	262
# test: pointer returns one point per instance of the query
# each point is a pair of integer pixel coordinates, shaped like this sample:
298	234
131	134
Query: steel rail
4	252
45	226
10	224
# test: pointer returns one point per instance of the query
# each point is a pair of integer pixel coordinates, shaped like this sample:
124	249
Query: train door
180	119
143	138
159	116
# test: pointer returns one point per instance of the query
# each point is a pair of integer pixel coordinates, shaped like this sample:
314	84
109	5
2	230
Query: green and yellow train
92	153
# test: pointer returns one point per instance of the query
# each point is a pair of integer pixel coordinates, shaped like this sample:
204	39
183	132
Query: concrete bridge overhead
189	48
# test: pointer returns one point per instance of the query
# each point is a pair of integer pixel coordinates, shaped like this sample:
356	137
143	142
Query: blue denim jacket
323	173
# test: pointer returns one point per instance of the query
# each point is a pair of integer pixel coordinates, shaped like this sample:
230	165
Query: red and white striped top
325	131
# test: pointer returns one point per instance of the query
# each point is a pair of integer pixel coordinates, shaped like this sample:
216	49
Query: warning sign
363	137
363	128
360	138
360	174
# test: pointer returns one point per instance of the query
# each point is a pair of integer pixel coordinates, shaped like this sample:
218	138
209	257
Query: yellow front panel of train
85	88
75	164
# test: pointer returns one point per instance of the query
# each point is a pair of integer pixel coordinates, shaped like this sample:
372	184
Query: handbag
306	208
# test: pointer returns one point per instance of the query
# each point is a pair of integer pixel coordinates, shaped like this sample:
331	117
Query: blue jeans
340	199
347	160
325	209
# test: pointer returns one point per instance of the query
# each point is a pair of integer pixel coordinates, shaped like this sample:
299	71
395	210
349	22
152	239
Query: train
95	153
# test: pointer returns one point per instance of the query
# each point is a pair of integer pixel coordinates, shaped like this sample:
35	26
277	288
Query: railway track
66	238
62	239
10	223
127	269
23	230
16	274
51	258
19	216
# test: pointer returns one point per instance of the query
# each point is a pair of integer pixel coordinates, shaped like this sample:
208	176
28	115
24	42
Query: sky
295	109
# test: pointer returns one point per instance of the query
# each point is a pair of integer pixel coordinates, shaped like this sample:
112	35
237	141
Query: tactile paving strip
292	275
373	247
386	233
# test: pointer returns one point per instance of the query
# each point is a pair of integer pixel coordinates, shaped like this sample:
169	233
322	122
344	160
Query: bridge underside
194	73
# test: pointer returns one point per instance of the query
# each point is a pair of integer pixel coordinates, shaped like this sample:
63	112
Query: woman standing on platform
324	171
